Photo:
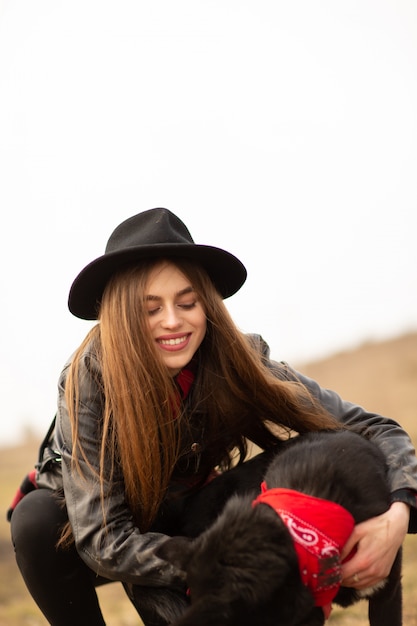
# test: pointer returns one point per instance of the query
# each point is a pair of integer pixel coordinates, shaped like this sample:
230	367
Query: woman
163	393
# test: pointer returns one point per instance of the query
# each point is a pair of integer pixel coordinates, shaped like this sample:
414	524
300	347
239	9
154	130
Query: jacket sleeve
116	550
392	439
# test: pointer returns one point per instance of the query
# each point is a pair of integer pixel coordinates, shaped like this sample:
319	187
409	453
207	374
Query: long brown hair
141	429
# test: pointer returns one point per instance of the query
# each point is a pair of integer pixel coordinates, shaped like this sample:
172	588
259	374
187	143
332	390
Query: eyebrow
182	292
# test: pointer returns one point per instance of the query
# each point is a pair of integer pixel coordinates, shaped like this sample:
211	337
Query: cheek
151	324
201	323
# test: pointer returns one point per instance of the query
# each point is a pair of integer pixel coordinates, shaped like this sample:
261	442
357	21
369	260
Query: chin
175	368
176	363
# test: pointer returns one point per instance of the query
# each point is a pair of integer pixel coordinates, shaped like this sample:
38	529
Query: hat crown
155	226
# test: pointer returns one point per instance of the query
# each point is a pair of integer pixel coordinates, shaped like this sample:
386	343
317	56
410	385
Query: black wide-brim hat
156	233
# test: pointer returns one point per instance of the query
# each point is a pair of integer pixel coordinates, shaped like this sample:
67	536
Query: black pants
62	585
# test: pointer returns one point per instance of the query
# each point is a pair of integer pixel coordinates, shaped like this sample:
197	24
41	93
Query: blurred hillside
380	376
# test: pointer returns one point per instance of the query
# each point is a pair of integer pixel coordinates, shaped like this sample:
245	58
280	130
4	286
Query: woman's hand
377	542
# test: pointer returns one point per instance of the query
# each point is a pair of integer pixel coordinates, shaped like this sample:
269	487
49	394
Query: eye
153	311
187	305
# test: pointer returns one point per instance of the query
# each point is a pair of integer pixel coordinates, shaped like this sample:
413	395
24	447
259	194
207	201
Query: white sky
283	131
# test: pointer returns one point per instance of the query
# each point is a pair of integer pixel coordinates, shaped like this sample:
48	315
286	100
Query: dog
247	568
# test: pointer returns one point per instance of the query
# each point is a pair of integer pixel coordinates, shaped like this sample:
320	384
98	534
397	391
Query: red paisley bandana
319	529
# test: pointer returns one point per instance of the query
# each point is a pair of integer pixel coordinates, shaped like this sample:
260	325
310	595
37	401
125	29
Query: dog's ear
177	551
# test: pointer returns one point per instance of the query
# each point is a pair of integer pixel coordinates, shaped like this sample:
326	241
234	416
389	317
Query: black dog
244	569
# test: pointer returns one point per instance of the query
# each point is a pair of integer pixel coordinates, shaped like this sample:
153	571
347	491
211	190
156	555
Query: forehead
166	276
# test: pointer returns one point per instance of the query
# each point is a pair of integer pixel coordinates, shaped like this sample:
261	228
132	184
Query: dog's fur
243	570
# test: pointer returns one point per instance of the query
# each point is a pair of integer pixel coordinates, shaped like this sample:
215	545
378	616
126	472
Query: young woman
163	393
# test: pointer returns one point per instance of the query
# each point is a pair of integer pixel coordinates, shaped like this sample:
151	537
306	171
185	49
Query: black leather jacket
121	552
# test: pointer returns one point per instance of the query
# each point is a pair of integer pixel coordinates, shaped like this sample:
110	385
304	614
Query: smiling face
176	318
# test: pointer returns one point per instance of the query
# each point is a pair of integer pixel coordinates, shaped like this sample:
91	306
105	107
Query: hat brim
225	270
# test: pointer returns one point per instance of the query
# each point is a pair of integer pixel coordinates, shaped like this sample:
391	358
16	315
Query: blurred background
285	132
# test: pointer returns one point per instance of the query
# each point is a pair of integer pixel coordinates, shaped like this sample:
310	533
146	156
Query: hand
377	542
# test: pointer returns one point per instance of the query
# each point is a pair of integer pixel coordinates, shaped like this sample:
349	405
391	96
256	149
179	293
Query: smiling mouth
173	342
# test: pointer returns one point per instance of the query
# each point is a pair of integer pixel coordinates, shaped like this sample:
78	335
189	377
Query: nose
172	318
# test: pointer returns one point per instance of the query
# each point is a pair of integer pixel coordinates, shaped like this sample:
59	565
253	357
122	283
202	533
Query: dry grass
382	377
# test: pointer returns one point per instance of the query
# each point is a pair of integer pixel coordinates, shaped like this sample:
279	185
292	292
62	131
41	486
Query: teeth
172	342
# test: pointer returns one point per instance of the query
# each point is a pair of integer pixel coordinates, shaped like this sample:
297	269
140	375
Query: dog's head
242	570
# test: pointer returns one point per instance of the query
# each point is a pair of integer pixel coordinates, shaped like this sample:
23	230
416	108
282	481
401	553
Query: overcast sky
283	131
